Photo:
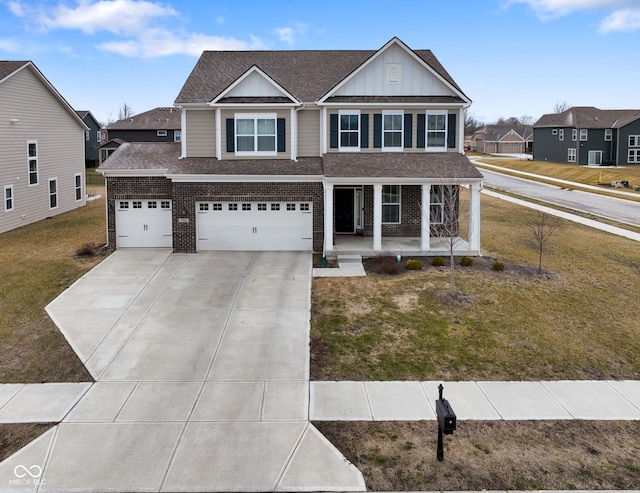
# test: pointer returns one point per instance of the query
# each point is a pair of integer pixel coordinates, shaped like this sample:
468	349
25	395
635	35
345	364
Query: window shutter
230	135
408	130
451	131
333	131
377	130
281	134
364	130
421	130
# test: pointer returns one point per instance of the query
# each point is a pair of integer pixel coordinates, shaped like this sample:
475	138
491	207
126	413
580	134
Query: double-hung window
349	130
584	134
634	154
98	136
571	156
436	205
78	186
53	193
608	134
634	140
8	198
436	131
391	204
392	130
574	134
177	135
256	134
32	158
561	134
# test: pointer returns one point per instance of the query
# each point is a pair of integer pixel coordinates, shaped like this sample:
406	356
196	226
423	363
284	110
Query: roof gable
396	70
254	83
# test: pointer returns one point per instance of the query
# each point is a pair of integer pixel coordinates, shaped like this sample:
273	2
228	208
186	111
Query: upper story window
161	133
349	130
86	135
255	134
634	140
436	131
574	134
98	136
608	134
32	157
177	135
584	134
392	131
561	134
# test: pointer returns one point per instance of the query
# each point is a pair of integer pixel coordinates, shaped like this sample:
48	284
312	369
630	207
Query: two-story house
157	125
588	136
42	158
503	139
300	150
93	138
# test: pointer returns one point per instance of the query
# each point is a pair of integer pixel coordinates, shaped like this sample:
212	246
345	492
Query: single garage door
254	225
144	223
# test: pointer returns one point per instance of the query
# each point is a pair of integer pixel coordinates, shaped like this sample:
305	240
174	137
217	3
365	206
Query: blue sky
511	57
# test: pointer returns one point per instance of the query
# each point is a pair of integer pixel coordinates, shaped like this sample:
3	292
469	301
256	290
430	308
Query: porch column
328	217
377	217
474	216
425	219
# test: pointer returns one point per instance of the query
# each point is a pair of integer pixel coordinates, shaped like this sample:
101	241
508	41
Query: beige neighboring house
41	150
503	139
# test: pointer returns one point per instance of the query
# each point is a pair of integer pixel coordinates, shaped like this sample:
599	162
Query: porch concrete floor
405	246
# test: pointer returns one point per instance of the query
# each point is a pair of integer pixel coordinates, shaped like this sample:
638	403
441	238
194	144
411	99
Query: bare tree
561	107
527	120
542	228
471	123
125	111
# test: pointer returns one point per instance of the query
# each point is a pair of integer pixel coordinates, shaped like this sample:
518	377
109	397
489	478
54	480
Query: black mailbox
446	416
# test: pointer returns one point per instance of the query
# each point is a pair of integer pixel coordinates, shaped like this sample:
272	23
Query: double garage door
254	226
144	223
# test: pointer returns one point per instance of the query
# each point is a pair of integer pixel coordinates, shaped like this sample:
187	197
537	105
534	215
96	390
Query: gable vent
393	73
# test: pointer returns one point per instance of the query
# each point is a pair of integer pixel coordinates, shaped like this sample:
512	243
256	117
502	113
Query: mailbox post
446	421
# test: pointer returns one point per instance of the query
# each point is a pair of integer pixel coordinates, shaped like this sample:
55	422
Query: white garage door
144	223
254	225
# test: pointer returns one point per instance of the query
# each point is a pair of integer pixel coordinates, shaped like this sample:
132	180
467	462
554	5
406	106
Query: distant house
503	139
42	158
588	136
93	138
156	125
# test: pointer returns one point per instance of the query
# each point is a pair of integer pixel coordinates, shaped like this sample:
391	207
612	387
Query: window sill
254	154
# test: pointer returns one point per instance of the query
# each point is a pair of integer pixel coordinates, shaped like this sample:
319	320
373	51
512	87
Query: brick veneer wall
131	188
410	211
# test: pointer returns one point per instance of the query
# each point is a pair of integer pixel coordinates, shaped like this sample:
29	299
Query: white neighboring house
41	149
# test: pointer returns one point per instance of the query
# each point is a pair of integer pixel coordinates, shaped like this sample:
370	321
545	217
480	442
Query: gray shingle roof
493	133
162	118
588	117
7	67
306	74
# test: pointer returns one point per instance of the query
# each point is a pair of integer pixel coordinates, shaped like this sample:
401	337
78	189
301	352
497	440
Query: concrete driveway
202	379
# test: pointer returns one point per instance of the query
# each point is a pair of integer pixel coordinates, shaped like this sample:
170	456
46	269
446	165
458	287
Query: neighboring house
156	125
93	138
588	136
41	149
503	139
298	150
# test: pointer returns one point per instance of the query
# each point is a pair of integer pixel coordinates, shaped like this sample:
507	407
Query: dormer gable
395	70
254	86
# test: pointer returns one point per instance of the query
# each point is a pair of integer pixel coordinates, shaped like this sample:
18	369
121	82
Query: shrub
466	261
499	266
437	262
389	265
413	264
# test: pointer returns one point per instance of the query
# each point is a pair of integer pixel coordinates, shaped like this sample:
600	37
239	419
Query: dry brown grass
492	455
15	436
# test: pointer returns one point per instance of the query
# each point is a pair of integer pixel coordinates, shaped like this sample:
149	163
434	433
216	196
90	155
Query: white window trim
574	134
37	159
554	131
349	148
571	156
161	133
594	153
440	188
56	193
86	135
12	198
584	135
254	116
636	140
608	134
75	188
561	134
399	204
98	136
633	155
394	148
177	135
426	131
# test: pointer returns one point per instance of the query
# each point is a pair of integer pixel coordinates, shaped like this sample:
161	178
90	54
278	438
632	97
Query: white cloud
621	20
291	34
16	8
10	46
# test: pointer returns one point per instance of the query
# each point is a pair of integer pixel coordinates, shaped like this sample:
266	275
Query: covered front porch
404	246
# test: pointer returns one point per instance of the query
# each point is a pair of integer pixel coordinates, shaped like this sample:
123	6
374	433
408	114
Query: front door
344	208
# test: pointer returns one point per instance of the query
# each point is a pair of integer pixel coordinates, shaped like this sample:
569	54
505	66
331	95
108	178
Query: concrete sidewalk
413	401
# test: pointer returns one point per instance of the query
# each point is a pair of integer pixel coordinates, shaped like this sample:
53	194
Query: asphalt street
622	210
